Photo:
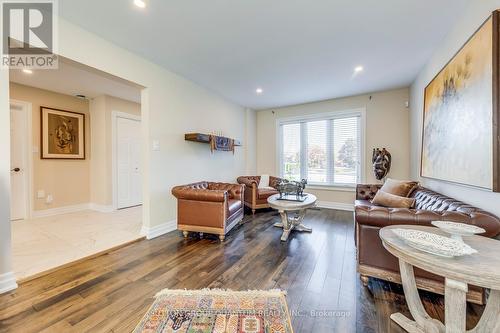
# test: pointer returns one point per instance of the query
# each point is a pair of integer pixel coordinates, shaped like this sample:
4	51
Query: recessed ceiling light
140	3
358	69
259	91
27	71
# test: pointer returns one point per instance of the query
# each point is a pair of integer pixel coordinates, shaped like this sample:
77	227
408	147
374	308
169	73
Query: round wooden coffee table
292	213
480	269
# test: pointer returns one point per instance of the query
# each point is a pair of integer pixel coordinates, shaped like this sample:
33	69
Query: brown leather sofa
255	197
373	258
208	207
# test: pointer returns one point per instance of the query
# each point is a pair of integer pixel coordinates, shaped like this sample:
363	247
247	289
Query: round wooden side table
480	269
286	208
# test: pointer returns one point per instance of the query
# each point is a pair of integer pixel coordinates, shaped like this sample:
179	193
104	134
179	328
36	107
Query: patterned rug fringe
208	291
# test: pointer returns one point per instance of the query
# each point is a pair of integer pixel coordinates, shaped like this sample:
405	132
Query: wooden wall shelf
203	138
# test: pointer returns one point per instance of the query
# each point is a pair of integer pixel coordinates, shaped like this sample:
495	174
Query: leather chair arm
382	216
239	190
247	181
367	191
181	192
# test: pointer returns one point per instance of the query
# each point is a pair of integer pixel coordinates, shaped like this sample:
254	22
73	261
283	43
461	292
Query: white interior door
18	162
129	173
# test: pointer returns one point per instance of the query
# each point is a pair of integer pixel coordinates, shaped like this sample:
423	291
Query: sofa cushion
390	200
430	200
265	193
264	181
399	187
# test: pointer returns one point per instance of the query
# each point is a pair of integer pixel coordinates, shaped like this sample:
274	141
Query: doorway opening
76	166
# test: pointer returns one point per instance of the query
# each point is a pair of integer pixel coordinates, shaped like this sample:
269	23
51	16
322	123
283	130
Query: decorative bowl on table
457	230
434	244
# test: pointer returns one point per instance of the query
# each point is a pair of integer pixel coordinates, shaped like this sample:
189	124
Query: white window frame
361	113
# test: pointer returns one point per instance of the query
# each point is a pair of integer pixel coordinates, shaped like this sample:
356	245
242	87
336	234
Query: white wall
250	143
170	107
387	125
464	27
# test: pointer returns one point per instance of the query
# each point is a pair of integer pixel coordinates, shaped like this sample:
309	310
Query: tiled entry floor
42	244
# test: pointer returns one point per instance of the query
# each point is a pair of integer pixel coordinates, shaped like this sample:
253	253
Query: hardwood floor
110	293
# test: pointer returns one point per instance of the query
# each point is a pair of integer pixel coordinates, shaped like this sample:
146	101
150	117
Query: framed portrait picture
461	114
62	134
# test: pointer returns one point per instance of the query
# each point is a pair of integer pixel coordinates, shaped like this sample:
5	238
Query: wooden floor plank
111	293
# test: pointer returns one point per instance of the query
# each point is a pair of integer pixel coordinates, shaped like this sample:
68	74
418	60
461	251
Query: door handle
16	169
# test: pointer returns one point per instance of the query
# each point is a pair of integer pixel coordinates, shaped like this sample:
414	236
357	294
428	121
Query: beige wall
98	171
387	125
464	27
74	182
101	109
66	180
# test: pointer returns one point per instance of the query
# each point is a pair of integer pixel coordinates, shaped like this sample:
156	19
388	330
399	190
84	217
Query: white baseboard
60	210
72	209
158	230
336	205
101	208
7	282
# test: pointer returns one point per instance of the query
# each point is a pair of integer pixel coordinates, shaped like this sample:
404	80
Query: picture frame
461	114
62	134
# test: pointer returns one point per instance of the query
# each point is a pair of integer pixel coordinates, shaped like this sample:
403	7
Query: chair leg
222	237
253	211
185	233
364	279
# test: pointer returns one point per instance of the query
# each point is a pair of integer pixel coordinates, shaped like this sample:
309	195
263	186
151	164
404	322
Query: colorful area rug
217	311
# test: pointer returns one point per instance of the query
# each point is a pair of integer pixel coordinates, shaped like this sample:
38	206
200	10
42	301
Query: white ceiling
296	50
76	79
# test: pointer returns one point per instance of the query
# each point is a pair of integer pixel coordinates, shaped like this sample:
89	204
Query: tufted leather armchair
255	197
209	207
373	258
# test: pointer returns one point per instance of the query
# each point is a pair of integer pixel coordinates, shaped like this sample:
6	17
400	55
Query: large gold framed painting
63	134
461	114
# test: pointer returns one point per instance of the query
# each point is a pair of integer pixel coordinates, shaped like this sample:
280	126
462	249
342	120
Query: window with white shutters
325	150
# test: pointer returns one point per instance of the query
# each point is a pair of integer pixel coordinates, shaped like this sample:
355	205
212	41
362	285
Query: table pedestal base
289	223
455	308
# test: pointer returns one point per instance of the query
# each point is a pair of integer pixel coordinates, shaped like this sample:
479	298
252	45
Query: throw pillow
393	201
264	181
399	187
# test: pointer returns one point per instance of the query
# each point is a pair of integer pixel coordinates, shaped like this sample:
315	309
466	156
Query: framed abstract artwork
461	114
62	134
